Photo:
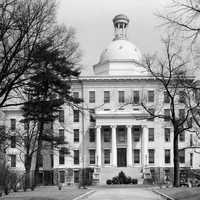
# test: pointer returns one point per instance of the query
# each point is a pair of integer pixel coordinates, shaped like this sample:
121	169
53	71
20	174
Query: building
112	132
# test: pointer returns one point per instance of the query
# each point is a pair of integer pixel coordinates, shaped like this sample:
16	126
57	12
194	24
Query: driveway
123	193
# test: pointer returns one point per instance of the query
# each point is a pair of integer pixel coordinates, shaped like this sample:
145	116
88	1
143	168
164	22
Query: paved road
123	194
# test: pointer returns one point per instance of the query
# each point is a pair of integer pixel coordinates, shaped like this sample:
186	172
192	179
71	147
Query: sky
92	20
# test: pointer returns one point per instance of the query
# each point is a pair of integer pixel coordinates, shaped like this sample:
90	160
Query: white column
129	146
98	147
144	146
114	146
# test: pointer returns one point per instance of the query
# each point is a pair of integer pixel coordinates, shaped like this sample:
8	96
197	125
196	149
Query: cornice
111	78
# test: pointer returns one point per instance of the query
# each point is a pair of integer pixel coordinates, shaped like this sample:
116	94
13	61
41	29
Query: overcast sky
92	20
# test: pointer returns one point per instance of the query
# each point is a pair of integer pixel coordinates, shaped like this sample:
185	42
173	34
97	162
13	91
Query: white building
113	132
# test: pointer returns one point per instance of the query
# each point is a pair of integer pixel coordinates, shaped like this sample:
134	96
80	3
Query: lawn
47	193
182	193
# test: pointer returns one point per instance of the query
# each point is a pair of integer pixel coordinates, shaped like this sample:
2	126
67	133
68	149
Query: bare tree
170	72
32	44
23	23
183	16
25	140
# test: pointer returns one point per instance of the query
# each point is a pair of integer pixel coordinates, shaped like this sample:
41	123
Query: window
2	130
106	156
13	160
51	125
191	140
62	176
13	141
182	156
91	96
181	97
92	156
62	156
121	97
76	176
182	137
107	134
92	115
151	96
40	160
136	134
62	134
166	98
136	97
26	125
76	115
76	95
152	111
92	134
181	114
52	161
13	124
167	156
76	135
191	159
167	172
136	156
61	116
151	156
167	134
167	114
151	134
106	96
76	157
121	135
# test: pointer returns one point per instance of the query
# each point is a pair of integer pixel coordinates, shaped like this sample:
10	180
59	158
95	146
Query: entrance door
48	178
121	157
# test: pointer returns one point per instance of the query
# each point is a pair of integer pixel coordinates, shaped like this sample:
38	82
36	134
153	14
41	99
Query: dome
121	50
121	18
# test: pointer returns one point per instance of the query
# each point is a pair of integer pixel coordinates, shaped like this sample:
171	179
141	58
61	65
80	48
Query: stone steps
109	172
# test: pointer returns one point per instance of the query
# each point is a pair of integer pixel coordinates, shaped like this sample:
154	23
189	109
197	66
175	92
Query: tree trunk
41	127
176	161
28	160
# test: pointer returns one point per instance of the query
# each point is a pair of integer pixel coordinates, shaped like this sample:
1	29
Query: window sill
92	165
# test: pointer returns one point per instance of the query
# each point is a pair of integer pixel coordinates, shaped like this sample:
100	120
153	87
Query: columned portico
122	150
114	146
129	146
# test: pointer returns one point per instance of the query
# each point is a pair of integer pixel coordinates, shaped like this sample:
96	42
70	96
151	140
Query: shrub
128	180
134	181
109	182
115	180
148	181
122	177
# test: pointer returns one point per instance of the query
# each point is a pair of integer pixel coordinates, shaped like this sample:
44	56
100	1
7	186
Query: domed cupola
121	57
120	23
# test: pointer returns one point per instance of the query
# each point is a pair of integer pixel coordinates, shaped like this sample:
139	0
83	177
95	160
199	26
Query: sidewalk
182	193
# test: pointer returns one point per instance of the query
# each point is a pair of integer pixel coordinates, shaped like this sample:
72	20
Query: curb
84	195
164	195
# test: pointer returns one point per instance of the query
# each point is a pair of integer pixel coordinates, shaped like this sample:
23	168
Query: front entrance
121	157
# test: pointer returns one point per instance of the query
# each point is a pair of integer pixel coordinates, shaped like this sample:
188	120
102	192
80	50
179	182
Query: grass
47	193
182	193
